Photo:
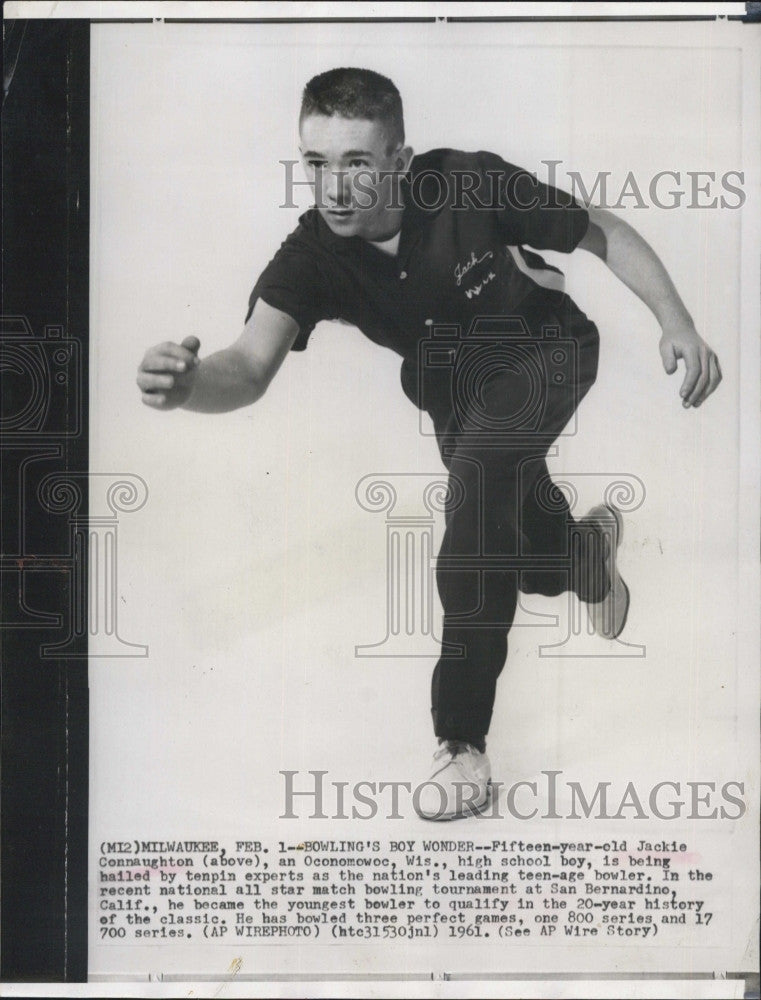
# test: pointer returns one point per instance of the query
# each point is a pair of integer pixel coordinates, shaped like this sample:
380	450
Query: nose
338	188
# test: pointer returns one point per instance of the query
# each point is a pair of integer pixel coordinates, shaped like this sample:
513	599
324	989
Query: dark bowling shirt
466	219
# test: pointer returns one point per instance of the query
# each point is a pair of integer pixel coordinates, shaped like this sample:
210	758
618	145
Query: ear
403	158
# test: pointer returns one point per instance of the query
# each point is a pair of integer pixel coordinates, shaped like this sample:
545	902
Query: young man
426	255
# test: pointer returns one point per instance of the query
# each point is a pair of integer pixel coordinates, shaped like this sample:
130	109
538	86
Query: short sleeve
530	212
296	282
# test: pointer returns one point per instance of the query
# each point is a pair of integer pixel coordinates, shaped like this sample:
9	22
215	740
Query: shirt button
403	275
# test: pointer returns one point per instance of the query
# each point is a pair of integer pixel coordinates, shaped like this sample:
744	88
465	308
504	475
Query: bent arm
240	374
636	264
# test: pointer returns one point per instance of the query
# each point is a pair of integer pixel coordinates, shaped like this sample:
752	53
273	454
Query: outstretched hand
167	373
702	370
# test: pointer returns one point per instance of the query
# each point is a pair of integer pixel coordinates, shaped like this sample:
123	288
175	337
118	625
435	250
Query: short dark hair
355	93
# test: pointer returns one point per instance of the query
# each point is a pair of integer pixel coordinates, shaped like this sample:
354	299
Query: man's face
354	174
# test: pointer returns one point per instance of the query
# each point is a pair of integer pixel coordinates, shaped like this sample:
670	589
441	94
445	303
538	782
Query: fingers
170	357
702	373
714	378
702	377
164	375
191	344
154	389
692	374
155	399
151	382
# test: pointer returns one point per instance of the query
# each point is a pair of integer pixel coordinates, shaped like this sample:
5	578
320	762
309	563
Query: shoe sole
626	609
616	514
471	809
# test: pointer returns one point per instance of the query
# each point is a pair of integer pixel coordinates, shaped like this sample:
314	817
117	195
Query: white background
252	572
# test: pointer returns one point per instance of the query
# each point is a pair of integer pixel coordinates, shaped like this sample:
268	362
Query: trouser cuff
469	730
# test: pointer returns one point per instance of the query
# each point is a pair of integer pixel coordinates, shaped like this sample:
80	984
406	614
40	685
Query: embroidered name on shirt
460	270
476	289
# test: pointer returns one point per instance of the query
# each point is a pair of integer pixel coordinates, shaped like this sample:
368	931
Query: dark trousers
508	527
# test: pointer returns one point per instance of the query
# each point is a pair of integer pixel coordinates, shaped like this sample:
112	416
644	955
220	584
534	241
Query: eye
316	164
357	164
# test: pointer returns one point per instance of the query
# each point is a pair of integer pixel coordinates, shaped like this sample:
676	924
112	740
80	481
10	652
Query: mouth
341	213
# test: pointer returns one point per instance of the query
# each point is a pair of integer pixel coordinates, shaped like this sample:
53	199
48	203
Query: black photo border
45	284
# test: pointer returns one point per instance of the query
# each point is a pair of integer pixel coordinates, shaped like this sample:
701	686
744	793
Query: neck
392	224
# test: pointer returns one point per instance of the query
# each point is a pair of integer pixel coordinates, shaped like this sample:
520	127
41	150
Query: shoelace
452	748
